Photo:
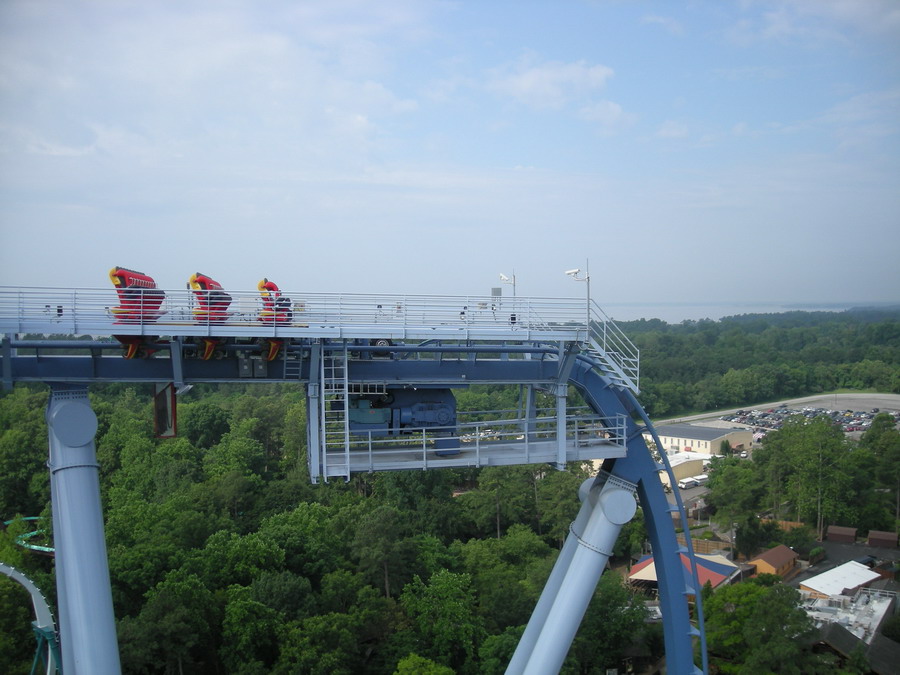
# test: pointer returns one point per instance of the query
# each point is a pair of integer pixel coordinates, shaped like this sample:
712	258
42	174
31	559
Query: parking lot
853	411
773	418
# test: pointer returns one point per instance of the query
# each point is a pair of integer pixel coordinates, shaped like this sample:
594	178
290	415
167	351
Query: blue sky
703	152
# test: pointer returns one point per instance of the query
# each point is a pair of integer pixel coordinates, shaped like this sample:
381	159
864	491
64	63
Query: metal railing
421	447
612	347
93	311
75	310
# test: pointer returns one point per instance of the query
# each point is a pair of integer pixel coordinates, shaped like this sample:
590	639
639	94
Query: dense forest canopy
224	558
738	361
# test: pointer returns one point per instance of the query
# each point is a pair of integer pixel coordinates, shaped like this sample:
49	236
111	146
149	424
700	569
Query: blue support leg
87	622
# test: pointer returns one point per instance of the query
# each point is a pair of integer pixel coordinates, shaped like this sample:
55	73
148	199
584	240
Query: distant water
676	312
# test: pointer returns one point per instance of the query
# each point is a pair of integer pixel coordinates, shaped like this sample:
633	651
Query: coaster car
276	311
139	303
139	298
212	307
276	308
212	300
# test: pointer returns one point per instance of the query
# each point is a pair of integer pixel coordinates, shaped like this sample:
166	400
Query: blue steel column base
607	504
86	620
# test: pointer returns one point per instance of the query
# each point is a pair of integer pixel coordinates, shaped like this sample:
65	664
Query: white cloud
548	85
816	20
672	129
671	25
866	118
749	73
608	116
876	16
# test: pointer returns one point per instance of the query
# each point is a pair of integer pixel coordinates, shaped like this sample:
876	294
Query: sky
707	151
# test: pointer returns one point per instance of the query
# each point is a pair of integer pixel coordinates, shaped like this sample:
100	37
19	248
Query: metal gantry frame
340	346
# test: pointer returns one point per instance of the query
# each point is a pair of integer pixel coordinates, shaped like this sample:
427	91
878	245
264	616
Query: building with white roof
845	579
700	439
847	624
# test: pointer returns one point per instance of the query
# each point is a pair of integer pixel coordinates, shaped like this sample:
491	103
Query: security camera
503	277
572	273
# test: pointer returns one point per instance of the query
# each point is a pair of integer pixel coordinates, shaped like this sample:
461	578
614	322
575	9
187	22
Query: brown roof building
846	535
882	539
780	560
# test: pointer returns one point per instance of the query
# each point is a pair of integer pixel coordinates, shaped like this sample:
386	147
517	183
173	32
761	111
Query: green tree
630	541
249	633
237	451
558	503
818	484
310	539
288	594
500	570
752	535
432	555
504	496
325	644
857	662
175	629
16	637
23	452
779	634
883	439
497	650
773	464
203	423
612	623
726	613
380	547
734	492
753	628
229	558
419	665
443	615
425	498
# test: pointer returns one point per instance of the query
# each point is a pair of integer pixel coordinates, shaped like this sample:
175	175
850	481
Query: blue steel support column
87	623
314	412
561	391
639	467
612	505
551	588
62	596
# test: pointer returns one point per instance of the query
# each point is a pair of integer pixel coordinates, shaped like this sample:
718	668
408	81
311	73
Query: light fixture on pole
509	280
586	278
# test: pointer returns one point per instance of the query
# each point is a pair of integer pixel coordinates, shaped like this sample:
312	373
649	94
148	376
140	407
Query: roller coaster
380	372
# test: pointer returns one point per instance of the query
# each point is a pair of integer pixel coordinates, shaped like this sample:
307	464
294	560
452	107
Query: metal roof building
845	579
702	439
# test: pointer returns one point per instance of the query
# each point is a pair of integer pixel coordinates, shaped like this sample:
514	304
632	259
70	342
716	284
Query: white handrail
152	312
77	310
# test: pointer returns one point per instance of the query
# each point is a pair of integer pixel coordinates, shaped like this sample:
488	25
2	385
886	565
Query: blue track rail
639	467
